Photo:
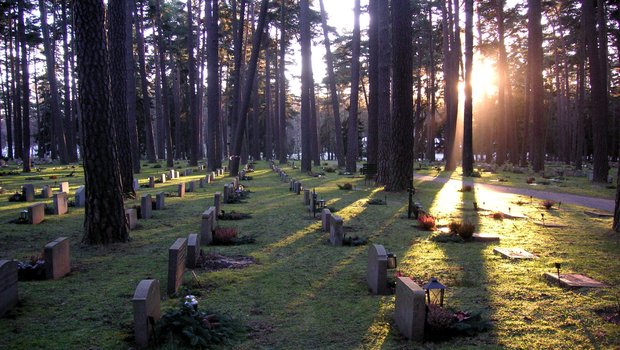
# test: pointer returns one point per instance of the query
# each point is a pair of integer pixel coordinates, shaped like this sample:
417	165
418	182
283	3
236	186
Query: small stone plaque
598	214
146	310
193	250
46	192
159	200
132	218
64	187
206	226
8	286
485	237
177	253
80	197
57	258
181	190
151	182
60	203
376	272
146	206
549	224
28	192
162	178
326	219
217	202
336	233
410	309
514	253
574	281
36	213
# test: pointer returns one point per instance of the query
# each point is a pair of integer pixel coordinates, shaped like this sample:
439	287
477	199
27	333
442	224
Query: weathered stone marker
159	200
162	178
177	253
201	183
151	182
207	225
64	187
376	273
57	258
181	190
193	250
136	184
573	281
306	196
217	202
146	206
336	234
28	192
36	213
227	192
326	216
191	186
514	253
46	192
146	310
410	309
8	285
132	218
61	205
80	197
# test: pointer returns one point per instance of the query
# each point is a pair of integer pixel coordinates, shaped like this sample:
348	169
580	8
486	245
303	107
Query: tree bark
130	78
25	86
146	100
104	217
214	159
194	127
69	122
536	92
401	163
373	87
468	151
306	81
384	122
282	105
352	147
268	115
166	124
430	137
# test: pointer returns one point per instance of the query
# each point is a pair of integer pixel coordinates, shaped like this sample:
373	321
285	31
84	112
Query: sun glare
484	80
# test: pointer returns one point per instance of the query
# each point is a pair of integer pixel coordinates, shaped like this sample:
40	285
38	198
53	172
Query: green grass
306	294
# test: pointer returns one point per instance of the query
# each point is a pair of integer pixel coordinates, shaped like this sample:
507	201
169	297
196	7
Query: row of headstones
147	205
57	264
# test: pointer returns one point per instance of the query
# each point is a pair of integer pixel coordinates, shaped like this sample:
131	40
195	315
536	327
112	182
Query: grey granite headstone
151	182
8	285
376	273
177	253
57	258
181	190
217	202
36	213
306	196
60	203
146	310
410	309
132	218
227	192
46	192
146	206
326	216
206	226
336	234
136	184
191	186
159	200
193	250
80	197
201	183
64	187
28	192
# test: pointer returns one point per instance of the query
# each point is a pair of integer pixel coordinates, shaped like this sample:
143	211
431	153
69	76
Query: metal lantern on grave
391	261
434	292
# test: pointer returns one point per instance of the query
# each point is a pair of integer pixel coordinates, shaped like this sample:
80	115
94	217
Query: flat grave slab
513	215
485	237
514	253
598	214
549	224
573	280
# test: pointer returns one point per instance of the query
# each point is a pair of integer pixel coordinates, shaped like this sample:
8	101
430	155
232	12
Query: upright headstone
410	309
217	199
206	226
28	192
376	273
146	310
236	183
60	203
191	186
64	187
132	218
146	206
8	285
227	192
306	196
326	217
181	190
80	197
213	175
159	200
36	213
57	258
151	182
46	192
177	254
193	250
171	173
201	183
162	178
336	234
136	184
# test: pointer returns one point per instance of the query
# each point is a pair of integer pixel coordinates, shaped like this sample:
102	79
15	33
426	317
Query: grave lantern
434	292
23	214
391	261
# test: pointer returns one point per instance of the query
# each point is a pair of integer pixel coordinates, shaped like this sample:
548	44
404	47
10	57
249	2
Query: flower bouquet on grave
444	323
32	270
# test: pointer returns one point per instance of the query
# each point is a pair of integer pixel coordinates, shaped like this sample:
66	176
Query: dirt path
585	201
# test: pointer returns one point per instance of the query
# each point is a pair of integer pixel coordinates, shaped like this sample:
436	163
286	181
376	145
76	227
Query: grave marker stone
227	197
36	213
191	186
376	273
60	203
57	258
146	310
207	226
181	190
201	183
8	286
132	218
146	206
306	196
326	216
64	187
136	184
410	309
514	253
46	192
151	182
336	234
162	178
159	200
573	281
80	197
28	192
217	199
193	250
485	237
177	254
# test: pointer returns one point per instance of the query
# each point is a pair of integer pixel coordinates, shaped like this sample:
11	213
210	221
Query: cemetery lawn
306	294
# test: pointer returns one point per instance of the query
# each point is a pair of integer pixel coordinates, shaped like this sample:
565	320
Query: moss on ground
305	294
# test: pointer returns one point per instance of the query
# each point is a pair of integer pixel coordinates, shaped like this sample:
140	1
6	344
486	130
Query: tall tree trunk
243	111
104	217
17	95
175	118
276	94
161	46
536	92
373	87
25	86
160	147
214	159
282	106
130	92
401	163
502	129
468	151
430	143
238	30
68	121
384	122
598	96
355	83
194	127
616	222
306	81
9	93
268	114
146	100
314	141
333	91
255	131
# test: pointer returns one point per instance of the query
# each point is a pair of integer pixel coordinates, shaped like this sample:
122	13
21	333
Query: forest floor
303	293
